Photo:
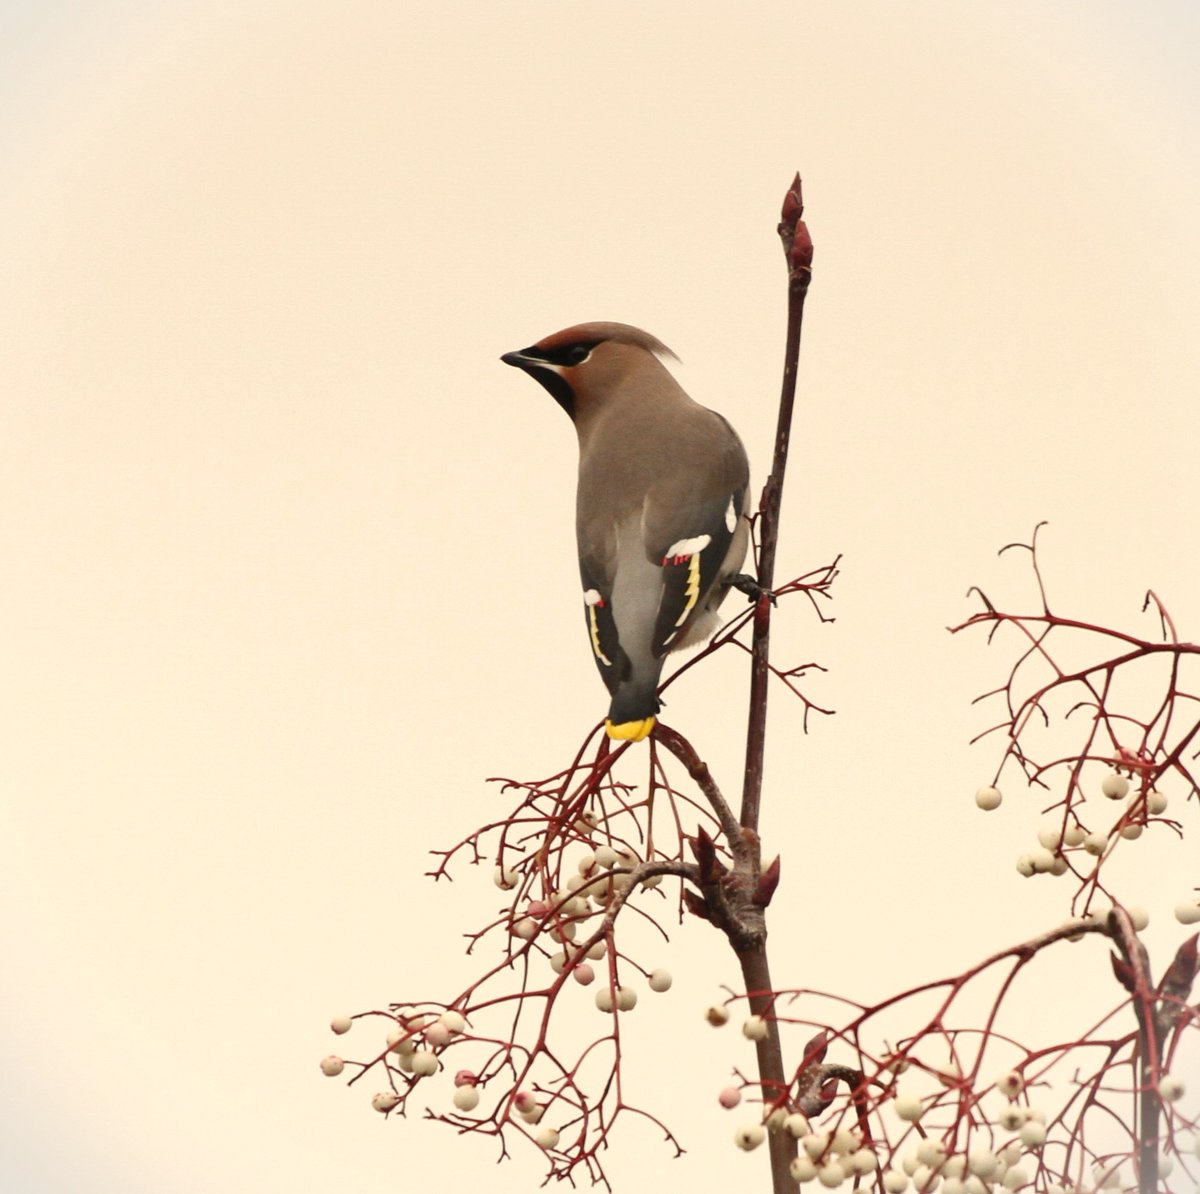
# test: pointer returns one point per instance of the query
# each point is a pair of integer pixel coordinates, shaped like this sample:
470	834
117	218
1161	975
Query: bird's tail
631	714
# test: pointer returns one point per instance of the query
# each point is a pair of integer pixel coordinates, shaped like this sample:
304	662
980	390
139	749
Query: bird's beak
519	359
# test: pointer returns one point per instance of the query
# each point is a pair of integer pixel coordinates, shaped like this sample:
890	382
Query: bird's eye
578	354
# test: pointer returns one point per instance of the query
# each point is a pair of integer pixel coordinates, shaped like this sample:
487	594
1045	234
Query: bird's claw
744	583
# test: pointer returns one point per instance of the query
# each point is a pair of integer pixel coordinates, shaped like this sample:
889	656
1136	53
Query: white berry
802	1169
1187	913
660	980
895	1181
604	999
863	1160
1115	786
437	1036
925	1179
332	1066
385	1100
717	1015
909	1107
1050	836
931	1152
626	999
1032	1134
754	1028
1010	1084
400	1042
1170	1088
547	1138
1042	860
988	798
466	1098
831	1175
796	1124
845	1141
1156	803
505	878
341	1024
1015	1178
815	1144
424	1063
983	1163
749	1136
453	1021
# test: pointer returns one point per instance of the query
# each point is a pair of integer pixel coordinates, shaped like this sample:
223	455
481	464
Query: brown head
585	362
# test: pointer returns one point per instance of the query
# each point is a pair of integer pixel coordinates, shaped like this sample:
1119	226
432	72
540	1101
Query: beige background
288	553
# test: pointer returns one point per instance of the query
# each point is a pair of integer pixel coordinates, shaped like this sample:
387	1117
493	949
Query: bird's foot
744	583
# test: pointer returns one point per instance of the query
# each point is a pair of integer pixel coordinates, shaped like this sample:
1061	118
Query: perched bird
660	509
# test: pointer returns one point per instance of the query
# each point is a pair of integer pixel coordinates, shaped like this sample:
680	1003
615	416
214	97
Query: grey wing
689	524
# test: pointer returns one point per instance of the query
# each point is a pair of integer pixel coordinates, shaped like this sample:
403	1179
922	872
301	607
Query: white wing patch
591	597
730	517
689	547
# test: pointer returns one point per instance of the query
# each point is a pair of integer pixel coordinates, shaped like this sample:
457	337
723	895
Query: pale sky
290	564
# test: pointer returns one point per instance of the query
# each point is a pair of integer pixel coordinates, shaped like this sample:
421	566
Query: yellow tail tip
630	731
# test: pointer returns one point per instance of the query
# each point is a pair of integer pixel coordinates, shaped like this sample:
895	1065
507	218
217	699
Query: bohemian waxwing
660	510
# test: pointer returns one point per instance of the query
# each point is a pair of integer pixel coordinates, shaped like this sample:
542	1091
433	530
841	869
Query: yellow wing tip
630	731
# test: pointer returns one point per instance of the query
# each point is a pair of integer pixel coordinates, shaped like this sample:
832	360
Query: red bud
695	904
801	255
1177	982
815	1050
767	882
1124	973
793	203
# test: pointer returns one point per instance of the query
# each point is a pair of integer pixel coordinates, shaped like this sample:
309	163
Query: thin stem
797	246
783	1145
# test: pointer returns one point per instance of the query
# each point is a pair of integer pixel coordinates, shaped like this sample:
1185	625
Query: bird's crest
599	332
